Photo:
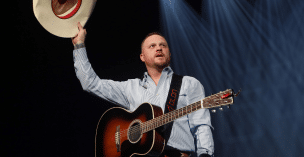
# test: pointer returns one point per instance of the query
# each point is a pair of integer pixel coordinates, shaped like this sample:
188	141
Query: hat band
65	9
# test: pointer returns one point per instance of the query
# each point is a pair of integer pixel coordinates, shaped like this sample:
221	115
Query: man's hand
80	37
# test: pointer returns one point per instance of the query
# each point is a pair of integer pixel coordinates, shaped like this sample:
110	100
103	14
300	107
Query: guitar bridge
117	138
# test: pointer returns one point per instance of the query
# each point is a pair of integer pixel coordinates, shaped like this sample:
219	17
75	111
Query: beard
163	64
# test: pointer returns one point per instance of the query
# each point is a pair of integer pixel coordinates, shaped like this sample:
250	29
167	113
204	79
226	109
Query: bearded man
190	135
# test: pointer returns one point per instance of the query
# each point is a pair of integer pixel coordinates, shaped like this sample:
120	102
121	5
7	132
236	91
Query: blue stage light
258	47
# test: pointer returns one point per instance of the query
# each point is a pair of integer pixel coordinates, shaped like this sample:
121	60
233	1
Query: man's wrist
78	46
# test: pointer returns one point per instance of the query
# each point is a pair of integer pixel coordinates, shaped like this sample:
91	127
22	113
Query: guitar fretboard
216	100
169	117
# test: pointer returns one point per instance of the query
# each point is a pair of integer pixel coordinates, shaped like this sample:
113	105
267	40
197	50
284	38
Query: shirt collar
166	71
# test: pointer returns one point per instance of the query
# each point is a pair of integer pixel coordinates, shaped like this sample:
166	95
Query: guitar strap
172	98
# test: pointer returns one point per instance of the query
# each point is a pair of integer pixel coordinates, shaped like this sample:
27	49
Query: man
191	135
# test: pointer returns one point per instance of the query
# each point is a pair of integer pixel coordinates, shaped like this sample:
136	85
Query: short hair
150	34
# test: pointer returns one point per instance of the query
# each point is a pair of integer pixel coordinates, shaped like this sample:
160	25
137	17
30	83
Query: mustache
159	54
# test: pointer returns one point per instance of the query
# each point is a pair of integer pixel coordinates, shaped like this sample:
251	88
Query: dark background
48	114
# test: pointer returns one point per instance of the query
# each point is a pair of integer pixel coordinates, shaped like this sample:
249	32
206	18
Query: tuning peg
235	95
221	108
228	106
213	111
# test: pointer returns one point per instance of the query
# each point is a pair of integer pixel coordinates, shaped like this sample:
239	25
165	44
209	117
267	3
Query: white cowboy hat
60	17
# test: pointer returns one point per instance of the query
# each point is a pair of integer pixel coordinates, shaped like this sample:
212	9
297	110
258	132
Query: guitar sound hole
134	131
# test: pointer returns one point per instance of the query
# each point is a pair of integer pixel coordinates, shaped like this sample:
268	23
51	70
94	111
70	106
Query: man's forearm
205	143
83	68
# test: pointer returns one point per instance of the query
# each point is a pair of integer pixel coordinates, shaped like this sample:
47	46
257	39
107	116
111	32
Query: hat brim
65	28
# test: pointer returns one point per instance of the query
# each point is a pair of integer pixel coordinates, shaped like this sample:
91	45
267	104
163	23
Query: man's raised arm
112	91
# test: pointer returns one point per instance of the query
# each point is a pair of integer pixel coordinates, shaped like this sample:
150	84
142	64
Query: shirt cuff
78	46
80	54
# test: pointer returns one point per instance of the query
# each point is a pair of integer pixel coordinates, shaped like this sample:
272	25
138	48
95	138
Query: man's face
155	52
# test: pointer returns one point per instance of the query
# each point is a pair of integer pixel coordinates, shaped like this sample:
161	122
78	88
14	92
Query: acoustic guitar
121	133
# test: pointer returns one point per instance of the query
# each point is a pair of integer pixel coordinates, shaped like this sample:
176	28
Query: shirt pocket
182	100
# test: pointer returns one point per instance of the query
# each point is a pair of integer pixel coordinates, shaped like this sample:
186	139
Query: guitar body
117	118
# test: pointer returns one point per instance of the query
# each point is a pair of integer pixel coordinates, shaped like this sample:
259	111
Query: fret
174	115
168	118
180	112
155	123
192	108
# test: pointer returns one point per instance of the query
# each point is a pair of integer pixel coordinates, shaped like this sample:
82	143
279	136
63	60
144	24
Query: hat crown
64	7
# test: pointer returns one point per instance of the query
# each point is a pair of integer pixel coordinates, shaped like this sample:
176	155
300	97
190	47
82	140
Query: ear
142	57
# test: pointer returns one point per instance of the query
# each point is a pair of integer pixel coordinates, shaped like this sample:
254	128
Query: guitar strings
153	123
164	119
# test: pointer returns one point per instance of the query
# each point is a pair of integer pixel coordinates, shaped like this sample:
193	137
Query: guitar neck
171	116
216	100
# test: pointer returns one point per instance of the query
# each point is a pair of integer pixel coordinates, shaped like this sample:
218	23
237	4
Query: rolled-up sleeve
200	121
112	91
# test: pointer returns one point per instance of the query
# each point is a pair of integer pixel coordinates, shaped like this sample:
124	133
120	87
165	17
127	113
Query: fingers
79	26
80	37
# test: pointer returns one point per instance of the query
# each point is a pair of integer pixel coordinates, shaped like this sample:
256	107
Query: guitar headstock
223	98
